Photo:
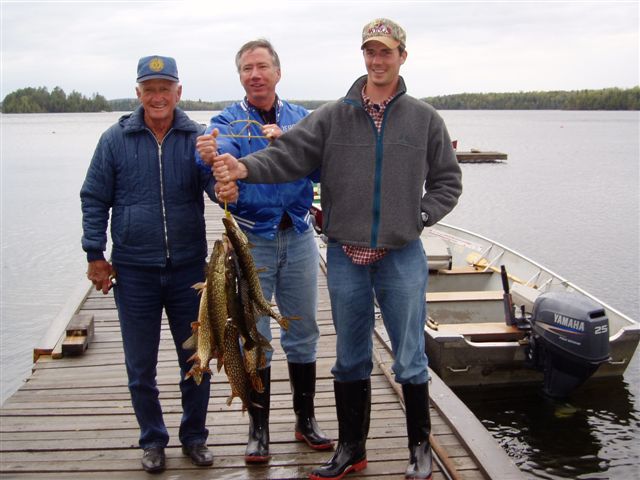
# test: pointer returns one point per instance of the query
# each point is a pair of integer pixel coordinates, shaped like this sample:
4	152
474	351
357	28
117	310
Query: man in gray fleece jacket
388	169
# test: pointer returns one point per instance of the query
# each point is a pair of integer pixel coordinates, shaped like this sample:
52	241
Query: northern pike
248	315
241	246
234	304
235	369
216	298
201	340
255	360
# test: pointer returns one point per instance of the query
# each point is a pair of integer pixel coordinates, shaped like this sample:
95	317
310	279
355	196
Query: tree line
604	99
40	100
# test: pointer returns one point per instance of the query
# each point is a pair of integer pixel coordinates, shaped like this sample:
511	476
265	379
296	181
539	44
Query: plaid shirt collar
375	110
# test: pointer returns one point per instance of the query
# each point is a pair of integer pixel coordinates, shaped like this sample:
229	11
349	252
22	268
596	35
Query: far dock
477	156
72	419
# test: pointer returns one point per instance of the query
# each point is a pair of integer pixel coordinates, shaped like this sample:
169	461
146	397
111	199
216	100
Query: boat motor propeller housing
568	340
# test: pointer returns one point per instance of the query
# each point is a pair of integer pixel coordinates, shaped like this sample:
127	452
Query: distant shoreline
39	100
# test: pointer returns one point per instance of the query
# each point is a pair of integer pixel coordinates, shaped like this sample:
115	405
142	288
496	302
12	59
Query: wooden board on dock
72	419
476	156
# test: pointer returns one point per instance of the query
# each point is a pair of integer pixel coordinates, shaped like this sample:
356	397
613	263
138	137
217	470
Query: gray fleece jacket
374	185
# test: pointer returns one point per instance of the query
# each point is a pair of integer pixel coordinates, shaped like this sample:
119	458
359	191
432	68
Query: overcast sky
453	46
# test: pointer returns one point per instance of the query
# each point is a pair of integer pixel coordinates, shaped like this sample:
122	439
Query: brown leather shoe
153	460
199	453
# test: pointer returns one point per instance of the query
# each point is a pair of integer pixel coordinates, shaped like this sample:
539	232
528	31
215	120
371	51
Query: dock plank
72	418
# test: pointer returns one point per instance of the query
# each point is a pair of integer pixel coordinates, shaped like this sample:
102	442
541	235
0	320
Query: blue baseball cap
156	66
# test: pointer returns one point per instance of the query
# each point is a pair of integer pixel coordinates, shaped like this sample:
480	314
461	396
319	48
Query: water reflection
587	436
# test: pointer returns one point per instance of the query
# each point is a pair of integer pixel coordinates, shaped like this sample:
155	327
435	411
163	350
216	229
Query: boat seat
483	332
489	295
464	270
438	253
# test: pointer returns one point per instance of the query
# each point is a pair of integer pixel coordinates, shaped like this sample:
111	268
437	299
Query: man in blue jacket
276	220
143	172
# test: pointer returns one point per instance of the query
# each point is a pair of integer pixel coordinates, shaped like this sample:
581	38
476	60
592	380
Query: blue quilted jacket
153	191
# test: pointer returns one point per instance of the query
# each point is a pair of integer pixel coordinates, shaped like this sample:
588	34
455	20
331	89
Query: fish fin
283	322
190	343
195	373
199	286
261	269
264	343
256	383
194	358
248	344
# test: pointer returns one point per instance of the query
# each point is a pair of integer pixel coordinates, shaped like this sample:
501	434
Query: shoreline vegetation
40	100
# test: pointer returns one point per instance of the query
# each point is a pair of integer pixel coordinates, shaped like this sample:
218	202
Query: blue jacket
154	192
260	206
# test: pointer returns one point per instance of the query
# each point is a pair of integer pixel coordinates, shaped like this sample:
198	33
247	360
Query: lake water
568	197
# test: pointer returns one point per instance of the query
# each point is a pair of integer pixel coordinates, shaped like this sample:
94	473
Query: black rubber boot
353	406
258	444
302	377
416	401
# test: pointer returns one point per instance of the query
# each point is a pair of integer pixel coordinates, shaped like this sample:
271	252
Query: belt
285	222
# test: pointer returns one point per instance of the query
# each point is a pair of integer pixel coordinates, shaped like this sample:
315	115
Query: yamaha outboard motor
569	340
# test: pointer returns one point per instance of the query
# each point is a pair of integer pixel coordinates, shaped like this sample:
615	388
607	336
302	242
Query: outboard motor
569	340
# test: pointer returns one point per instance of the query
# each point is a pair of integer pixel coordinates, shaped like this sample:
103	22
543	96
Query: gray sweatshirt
374	185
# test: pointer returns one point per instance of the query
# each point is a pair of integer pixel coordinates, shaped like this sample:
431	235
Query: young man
276	220
388	170
143	173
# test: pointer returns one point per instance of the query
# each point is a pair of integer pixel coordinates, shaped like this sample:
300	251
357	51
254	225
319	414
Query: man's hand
271	131
227	168
207	146
101	273
227	192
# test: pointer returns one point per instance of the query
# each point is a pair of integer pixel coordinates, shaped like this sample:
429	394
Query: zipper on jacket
164	210
377	179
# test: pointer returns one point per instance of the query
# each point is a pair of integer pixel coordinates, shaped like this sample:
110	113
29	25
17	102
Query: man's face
159	98
259	77
383	63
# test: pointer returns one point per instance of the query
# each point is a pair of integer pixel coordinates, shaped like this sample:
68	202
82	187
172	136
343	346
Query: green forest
40	100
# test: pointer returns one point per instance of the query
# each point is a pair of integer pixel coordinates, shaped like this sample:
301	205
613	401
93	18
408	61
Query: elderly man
388	169
143	173
276	220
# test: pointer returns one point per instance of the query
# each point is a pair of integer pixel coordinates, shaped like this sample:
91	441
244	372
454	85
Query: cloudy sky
453	46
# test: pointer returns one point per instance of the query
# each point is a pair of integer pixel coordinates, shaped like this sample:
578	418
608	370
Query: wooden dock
477	156
72	419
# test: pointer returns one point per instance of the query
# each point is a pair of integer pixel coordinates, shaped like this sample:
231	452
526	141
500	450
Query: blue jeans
288	267
399	282
141	294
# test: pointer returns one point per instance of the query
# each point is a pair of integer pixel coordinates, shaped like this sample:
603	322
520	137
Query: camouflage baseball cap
385	31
